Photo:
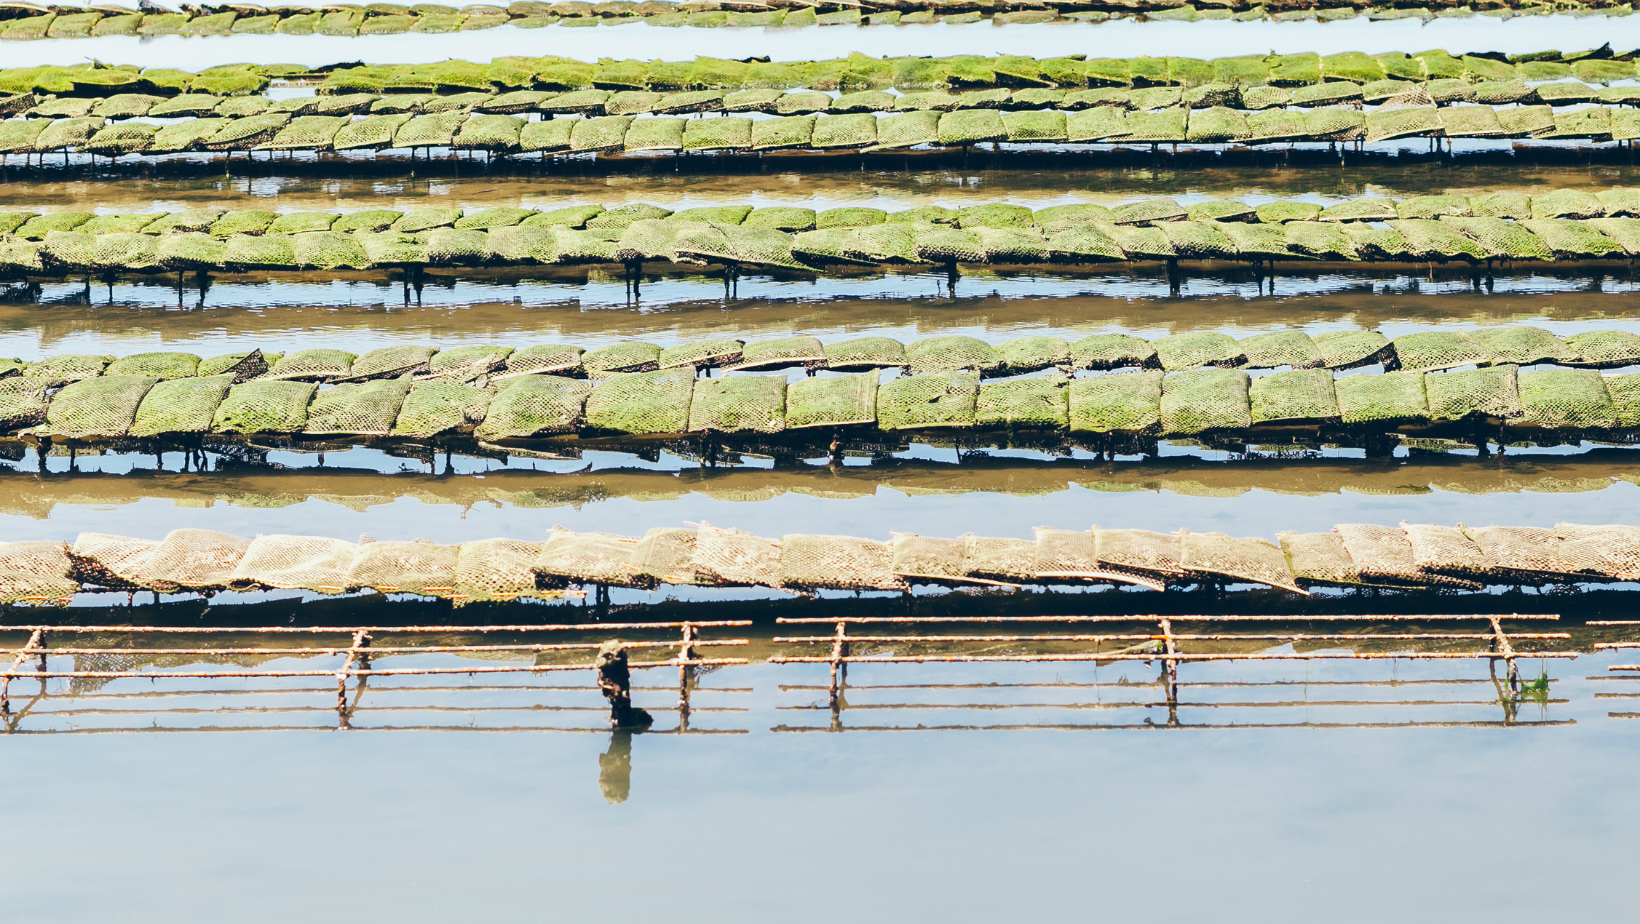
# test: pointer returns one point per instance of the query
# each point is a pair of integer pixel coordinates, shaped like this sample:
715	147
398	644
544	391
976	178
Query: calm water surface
1251	824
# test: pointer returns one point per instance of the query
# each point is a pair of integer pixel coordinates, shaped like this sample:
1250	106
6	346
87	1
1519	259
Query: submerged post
615	682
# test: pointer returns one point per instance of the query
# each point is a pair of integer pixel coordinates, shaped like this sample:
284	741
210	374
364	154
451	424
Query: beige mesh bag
926	558
1520	549
1069	555
36	572
989	558
1602	551
1139	550
1384	553
1444	550
112	562
729	556
414	567
192	559
667	555
590	558
1319	558
296	563
1219	555
837	562
497	569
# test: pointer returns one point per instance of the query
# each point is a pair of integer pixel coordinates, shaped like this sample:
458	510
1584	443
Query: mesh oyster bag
296	563
391	362
36	572
1197	349
626	356
1112	351
643	402
1300	395
1205	399
1520	551
1602	551
190	559
1281	348
735	558
23	402
1488	392
1028	354
367	409
1319	558
162	366
1347	349
108	561
865	353
1604	349
1524	345
590	558
781	353
809	562
264	407
1218	555
496	569
1444	550
833	401
1391	397
1040	402
950	354
545	359
1437	350
739	404
415	567
1384	554
1566	399
434	408
535	405
180	406
1063	554
103	407
318	365
1123	403
667	555
934	400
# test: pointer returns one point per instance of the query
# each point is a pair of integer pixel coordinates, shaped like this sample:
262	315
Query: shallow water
956	825
1037	183
595	308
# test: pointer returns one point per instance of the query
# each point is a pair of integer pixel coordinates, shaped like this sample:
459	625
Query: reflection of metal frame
1165	645
1623	671
357	655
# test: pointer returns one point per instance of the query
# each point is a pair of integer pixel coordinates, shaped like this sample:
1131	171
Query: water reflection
615	767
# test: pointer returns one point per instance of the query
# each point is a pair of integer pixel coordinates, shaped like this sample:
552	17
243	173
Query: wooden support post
355	656
1171	666
839	651
34	642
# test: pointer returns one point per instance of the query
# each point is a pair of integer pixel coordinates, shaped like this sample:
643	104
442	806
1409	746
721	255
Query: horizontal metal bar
1152	704
1158	726
1128	684
374	650
1155	637
1178	656
1624	667
374	630
1444	617
367	672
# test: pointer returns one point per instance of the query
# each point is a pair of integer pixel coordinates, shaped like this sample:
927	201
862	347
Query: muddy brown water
359	317
905	182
